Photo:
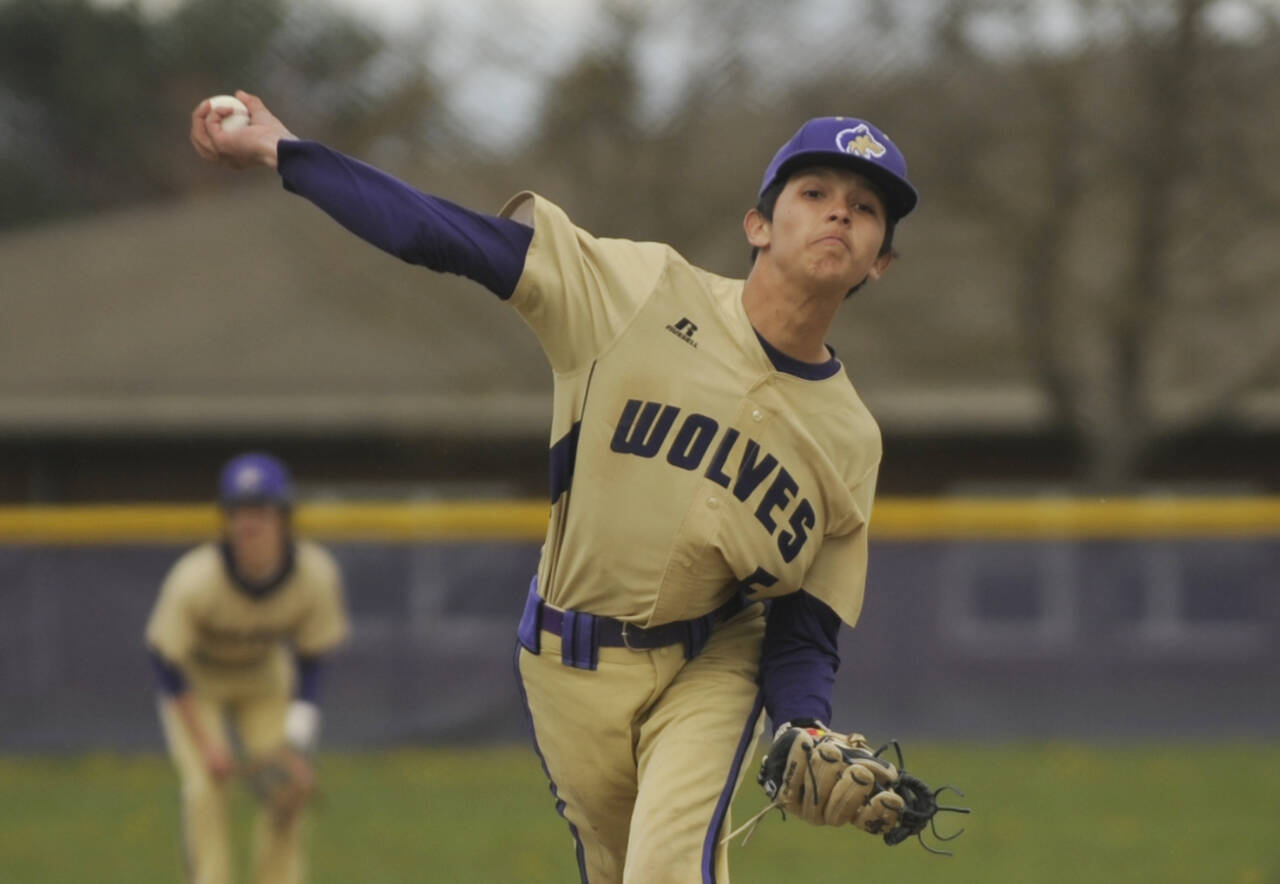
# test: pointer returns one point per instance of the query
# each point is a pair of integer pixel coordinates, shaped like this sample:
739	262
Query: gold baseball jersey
203	622
684	463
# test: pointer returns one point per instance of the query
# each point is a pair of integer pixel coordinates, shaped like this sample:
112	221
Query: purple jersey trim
168	676
712	841
414	226
564	455
555	792
309	677
263	588
810	371
799	659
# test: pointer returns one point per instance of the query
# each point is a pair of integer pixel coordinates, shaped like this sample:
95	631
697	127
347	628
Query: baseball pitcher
712	477
237	637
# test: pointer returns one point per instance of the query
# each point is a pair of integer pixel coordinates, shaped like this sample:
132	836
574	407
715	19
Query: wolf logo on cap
860	142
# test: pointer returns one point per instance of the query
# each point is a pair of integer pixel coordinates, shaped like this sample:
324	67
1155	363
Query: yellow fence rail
525	520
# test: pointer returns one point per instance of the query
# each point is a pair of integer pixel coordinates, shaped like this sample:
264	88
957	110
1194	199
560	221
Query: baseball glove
281	782
832	779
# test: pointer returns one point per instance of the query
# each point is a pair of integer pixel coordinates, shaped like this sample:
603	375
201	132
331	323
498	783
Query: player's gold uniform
236	652
696	472
686	466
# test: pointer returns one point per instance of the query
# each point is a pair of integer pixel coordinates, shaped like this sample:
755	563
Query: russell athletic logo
684	330
860	142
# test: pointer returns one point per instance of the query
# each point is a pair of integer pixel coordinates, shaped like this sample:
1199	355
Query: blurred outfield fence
1038	618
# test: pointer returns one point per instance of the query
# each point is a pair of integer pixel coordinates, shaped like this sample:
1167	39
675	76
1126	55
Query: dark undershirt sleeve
169	677
308	683
414	226
799	659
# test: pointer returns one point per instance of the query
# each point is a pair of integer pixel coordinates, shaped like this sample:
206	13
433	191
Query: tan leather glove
831	779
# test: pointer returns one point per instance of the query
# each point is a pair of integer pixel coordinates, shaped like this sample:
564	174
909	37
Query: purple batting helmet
854	144
255	478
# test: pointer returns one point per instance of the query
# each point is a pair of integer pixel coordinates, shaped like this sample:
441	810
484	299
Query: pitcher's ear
758	228
880	266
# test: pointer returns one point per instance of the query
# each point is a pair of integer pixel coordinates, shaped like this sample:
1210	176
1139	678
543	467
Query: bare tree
91	94
1124	175
1113	157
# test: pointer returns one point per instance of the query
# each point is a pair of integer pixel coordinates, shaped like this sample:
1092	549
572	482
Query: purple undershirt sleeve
308	682
416	227
168	676
799	658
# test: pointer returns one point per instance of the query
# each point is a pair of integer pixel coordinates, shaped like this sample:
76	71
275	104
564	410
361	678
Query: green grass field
1042	813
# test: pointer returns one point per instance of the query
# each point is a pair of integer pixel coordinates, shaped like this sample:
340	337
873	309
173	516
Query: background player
237	635
708	452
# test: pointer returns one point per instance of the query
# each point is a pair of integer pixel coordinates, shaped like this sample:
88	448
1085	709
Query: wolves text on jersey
644	428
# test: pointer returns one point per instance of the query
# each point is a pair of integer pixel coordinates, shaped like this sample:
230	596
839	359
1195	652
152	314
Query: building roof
249	310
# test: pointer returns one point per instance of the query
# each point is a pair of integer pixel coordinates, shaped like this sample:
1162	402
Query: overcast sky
400	13
492	56
486	67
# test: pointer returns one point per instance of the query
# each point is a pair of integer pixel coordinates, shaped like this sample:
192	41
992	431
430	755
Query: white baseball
239	116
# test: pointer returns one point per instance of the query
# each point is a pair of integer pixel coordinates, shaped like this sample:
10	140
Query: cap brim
899	196
254	500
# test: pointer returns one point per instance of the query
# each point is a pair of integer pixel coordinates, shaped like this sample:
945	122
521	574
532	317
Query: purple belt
582	634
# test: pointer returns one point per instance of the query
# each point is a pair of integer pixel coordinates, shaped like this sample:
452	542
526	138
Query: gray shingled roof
250	310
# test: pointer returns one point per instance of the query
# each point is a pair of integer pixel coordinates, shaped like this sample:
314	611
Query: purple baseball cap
254	477
855	144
